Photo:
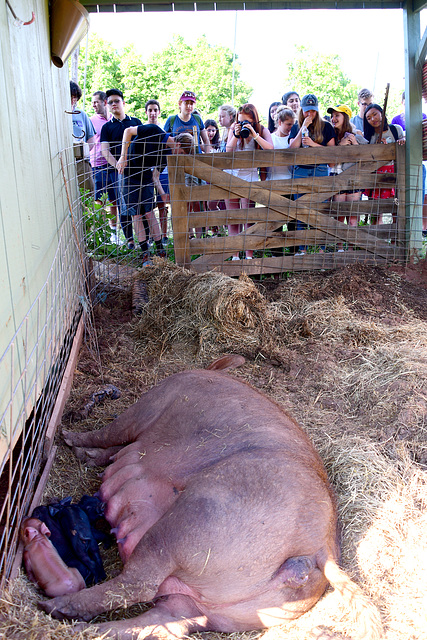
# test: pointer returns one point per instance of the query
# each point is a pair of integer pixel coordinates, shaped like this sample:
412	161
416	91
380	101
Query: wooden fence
381	238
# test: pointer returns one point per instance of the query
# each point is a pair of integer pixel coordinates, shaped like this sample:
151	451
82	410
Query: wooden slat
317	155
179	209
304	213
307	262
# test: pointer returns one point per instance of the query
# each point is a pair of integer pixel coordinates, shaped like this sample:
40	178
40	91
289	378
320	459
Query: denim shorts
164	181
139	197
105	179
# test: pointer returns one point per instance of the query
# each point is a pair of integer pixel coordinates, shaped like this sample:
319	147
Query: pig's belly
135	505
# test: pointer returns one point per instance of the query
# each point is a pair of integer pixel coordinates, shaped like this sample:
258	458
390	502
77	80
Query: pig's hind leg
95	457
171	618
138	582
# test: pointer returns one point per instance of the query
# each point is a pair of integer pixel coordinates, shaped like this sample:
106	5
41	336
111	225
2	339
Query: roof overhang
183	5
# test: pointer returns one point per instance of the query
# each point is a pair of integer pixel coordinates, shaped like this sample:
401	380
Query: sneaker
235	258
115	239
146	259
424	233
165	242
300	253
150	243
161	253
131	245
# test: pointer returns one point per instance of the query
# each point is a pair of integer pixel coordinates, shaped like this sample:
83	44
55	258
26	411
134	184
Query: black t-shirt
147	150
112	132
328	132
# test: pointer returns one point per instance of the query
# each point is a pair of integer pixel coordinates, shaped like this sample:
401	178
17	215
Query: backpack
393	129
195	115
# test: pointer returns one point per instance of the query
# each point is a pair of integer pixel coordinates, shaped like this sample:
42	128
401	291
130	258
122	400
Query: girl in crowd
272	109
319	134
258	137
291	99
213	133
345	135
226	118
285	119
372	121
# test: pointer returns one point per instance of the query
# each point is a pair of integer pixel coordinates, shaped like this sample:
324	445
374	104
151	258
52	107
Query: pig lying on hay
223	512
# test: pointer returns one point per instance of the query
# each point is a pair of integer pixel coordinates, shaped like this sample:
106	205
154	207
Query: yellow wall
38	255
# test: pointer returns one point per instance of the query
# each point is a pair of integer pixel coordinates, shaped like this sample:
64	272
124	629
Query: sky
370	42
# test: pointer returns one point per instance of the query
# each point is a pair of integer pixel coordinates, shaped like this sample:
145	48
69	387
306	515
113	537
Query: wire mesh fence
224	211
202	212
32	368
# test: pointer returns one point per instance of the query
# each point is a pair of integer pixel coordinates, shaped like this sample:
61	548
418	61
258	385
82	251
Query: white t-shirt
279	173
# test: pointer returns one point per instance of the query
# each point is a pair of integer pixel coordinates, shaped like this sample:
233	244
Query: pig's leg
114	482
95	457
133	456
130	424
171	619
138	582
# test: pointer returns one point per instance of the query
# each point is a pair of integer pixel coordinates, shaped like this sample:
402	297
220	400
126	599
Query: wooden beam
420	56
179	212
413	118
64	390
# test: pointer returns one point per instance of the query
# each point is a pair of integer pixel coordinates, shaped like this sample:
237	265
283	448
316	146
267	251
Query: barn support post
413	117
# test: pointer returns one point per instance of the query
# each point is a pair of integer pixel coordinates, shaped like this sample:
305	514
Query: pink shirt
96	157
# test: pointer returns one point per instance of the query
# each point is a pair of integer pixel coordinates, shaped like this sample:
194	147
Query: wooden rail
263	231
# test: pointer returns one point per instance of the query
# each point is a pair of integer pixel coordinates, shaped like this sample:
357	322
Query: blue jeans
125	218
105	179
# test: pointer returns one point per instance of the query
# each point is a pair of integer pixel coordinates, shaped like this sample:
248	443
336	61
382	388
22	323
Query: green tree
203	68
311	72
102	69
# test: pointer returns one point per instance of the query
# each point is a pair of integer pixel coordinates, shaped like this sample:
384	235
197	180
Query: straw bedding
345	353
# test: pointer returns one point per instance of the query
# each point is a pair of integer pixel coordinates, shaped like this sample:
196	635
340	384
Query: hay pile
210	312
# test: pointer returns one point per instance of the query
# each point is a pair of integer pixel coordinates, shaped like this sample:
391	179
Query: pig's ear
226	362
45	530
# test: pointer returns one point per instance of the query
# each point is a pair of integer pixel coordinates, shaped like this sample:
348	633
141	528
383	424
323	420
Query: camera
244	131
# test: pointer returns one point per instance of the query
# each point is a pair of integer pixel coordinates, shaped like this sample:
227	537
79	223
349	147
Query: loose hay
211	311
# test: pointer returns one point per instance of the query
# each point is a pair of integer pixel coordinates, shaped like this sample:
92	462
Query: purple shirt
96	157
400	119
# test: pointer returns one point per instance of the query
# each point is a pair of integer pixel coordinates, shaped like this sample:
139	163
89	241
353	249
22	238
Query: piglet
43	563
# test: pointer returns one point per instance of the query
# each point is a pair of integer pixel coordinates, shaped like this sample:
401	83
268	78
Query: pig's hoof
68	437
61	608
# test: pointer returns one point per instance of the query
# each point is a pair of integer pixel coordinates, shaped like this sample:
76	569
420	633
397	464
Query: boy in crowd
152	110
104	176
111	145
83	134
364	99
147	151
186	122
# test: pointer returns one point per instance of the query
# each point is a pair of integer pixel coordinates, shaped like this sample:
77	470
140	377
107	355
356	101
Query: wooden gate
264	224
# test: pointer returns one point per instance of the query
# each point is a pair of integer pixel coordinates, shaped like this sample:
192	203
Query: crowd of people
118	155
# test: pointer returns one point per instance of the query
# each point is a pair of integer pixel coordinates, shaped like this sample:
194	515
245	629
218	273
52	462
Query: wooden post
179	211
414	136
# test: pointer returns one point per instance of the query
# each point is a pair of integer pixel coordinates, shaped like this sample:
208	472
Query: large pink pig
222	509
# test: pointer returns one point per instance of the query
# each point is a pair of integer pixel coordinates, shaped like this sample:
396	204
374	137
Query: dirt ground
345	353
